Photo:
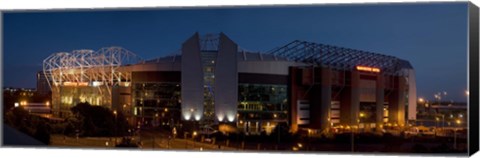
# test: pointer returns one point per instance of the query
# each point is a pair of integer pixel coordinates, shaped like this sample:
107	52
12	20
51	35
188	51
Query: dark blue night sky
433	37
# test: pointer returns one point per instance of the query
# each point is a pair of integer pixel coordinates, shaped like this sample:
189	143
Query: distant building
452	114
213	81
42	84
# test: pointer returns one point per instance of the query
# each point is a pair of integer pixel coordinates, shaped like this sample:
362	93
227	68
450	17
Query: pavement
13	137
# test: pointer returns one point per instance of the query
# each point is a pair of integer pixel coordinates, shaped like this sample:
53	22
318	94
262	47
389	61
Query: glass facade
156	103
261	107
69	96
208	63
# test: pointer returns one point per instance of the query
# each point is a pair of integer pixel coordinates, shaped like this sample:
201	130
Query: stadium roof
308	52
339	58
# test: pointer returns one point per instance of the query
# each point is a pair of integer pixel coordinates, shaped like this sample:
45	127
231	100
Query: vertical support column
380	100
393	101
226	80
192	79
412	95
355	97
345	104
293	99
396	107
315	97
401	100
325	96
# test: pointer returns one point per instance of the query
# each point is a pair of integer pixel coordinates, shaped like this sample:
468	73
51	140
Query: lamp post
458	122
436	125
443	120
438	96
156	120
193	138
185	137
362	115
421	100
115	132
353	136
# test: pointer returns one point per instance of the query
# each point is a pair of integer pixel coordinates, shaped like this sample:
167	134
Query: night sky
433	37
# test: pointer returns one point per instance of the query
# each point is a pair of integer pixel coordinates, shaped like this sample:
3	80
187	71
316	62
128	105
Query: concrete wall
380	99
412	95
265	67
121	96
396	103
325	96
226	80
192	80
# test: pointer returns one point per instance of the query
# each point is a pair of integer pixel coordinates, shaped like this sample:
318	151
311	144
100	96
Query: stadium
212	81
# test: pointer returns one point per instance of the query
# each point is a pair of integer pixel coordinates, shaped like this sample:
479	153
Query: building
212	81
42	84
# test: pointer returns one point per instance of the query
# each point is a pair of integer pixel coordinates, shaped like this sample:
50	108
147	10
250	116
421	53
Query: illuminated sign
368	69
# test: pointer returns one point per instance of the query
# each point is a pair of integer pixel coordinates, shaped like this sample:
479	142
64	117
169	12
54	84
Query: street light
156	120
362	115
300	145
458	121
115	134
438	96
421	100
193	138
185	137
436	125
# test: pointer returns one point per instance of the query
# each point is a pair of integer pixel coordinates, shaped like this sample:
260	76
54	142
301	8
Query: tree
98	121
17	118
34	126
42	133
281	132
419	148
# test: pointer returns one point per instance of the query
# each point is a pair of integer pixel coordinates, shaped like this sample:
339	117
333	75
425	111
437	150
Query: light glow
70	83
198	117
231	118
82	83
220	117
96	83
421	100
187	115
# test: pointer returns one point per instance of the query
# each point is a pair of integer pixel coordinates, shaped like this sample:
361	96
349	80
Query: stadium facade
211	81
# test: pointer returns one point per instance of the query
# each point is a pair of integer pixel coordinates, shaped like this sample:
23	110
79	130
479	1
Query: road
161	140
147	139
